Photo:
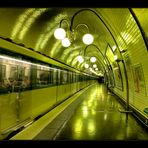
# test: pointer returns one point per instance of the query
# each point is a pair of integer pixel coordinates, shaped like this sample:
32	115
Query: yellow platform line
36	127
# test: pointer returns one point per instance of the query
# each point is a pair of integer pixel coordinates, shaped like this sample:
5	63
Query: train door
8	116
77	82
70	80
58	85
23	96
14	104
54	75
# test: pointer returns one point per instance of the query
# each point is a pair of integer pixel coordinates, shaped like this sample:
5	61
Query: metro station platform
91	114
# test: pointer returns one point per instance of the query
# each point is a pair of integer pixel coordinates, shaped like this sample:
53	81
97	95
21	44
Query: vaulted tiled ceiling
34	27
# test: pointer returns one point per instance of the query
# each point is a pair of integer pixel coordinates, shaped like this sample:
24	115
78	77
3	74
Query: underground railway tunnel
50	58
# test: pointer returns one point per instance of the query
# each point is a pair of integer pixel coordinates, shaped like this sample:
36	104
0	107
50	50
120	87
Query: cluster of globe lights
94	66
92	60
87	39
60	34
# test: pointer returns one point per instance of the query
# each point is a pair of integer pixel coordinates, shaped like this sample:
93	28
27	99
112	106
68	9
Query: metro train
30	87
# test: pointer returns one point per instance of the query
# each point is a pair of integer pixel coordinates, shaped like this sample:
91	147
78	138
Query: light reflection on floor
98	118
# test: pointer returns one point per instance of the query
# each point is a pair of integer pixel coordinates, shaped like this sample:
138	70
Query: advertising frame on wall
139	80
118	77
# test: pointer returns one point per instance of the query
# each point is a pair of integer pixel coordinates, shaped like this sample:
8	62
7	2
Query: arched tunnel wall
135	60
30	32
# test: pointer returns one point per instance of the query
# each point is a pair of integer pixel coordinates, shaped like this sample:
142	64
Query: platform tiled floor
97	117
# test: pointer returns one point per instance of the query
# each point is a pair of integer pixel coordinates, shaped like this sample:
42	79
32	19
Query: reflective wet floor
98	118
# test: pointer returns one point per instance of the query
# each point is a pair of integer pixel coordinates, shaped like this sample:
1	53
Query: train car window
74	77
33	76
13	73
21	72
2	72
20	76
71	77
13	77
26	82
59	77
64	79
68	76
7	80
55	76
50	77
4	83
77	77
17	77
42	77
80	78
